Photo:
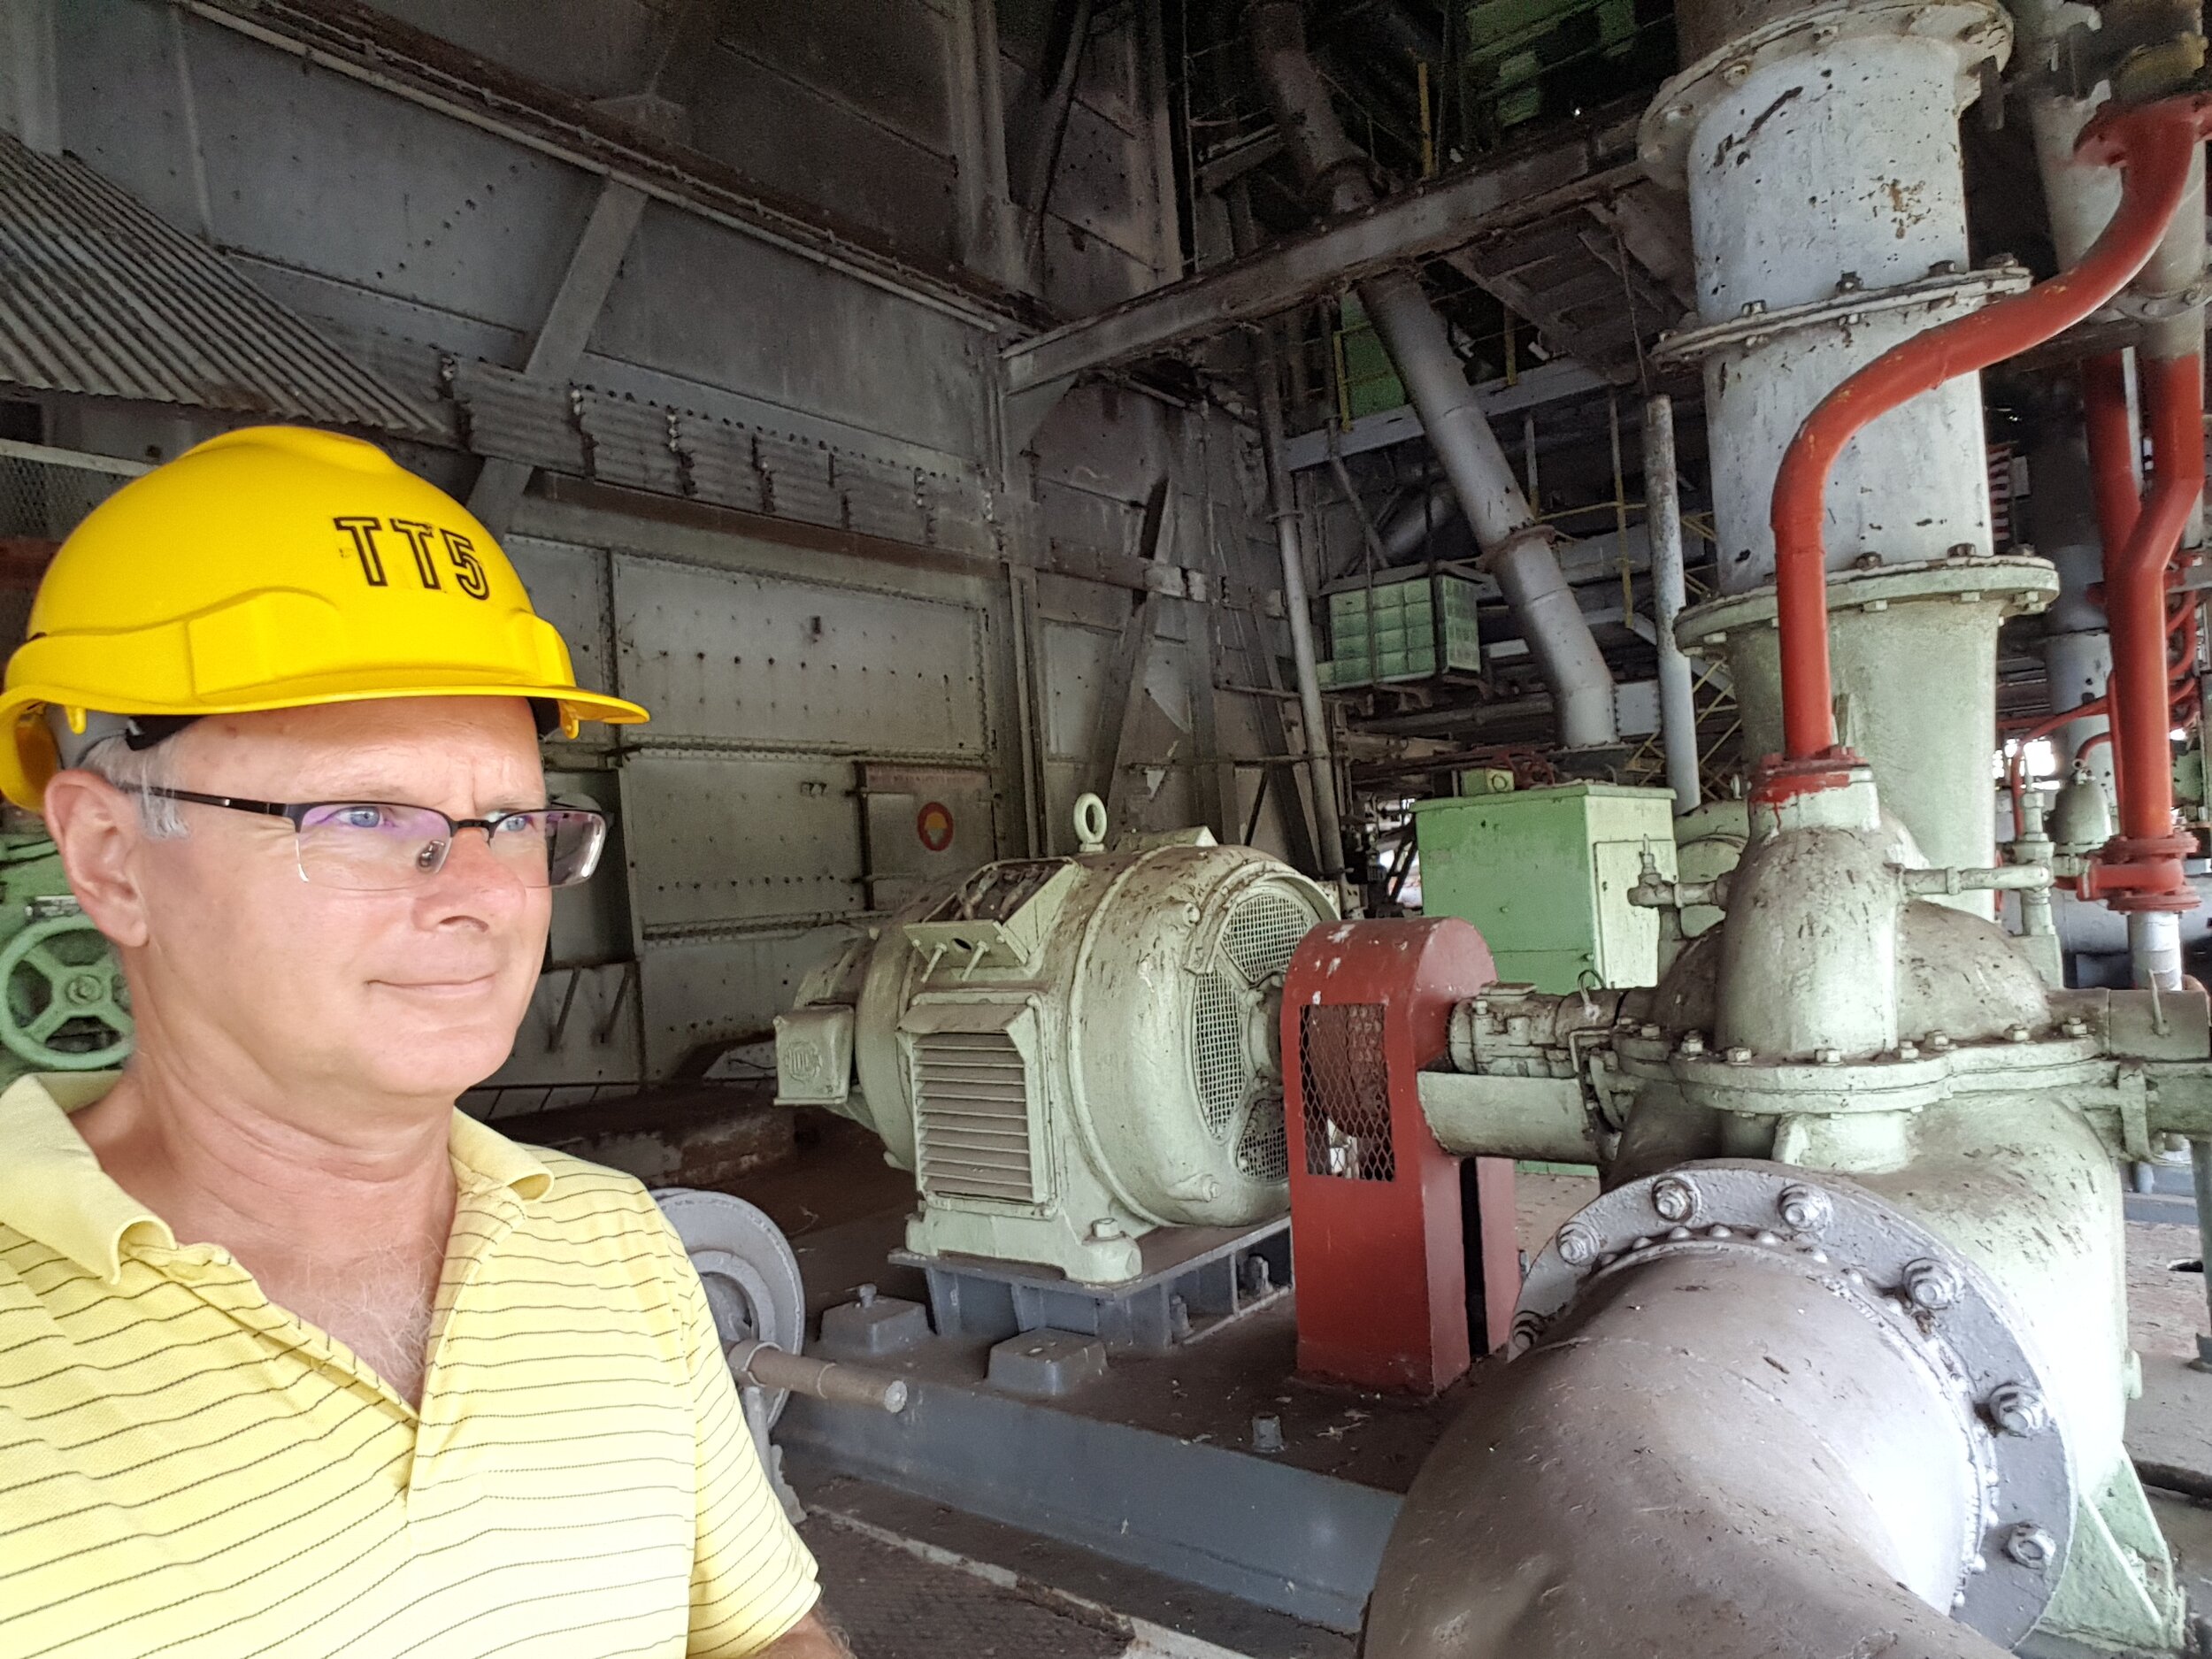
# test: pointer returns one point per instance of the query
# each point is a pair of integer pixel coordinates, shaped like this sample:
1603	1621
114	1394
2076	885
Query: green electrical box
1544	874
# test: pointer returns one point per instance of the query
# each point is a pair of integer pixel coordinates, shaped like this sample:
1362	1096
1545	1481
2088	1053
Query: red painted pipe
2135	595
2154	147
2112	453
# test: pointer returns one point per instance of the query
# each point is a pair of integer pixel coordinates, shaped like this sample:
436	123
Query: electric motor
1070	1052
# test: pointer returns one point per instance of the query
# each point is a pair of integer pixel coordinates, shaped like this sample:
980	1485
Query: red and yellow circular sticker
933	825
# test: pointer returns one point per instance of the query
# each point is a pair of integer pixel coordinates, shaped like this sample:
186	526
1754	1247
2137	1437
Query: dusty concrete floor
2166	1309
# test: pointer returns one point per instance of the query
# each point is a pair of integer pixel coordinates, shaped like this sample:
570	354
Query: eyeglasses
382	846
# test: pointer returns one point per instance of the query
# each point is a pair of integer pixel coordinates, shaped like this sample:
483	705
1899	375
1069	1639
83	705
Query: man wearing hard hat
294	1358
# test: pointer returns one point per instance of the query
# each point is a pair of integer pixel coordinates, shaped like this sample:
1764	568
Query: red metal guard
1380	1227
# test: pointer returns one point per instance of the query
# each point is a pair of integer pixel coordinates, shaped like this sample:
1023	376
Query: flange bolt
1674	1198
1931	1285
1805	1209
2029	1545
1692	1043
2017	1409
1578	1244
1267	1434
1527	1326
1739	1056
1829	1056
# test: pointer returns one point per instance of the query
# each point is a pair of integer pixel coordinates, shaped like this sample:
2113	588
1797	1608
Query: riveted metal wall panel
568	587
703	994
330	175
595	48
582	1027
738	659
716	840
818	146
477	230
884	59
1077	663
922	828
701	301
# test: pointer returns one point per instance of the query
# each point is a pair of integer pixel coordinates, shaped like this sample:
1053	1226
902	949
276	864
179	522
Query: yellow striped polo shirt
188	1470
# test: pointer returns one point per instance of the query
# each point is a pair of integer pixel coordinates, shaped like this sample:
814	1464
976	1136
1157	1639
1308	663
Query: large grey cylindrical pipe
1515	548
1407	531
1708	1457
1283	507
1669	593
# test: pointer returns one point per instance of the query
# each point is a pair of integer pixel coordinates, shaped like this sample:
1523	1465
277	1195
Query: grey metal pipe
1405	531
1267	371
1707	1456
771	1367
1283	507
1559	639
2155	949
1669	593
1515	548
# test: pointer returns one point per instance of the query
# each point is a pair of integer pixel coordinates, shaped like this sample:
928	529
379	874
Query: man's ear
96	827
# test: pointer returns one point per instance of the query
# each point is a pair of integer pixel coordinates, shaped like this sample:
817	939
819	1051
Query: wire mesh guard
1239	1094
1346	1090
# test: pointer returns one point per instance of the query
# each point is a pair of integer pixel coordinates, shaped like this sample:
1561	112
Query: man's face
347	996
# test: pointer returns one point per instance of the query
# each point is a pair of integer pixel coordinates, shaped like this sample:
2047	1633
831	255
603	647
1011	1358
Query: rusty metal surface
102	297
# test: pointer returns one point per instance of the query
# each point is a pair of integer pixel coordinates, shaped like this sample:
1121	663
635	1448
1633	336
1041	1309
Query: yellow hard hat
271	568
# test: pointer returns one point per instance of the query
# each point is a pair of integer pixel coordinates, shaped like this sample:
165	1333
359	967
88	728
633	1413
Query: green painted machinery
66	1007
1545	876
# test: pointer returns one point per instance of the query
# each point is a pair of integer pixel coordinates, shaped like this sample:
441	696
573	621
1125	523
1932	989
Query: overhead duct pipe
1407	531
1515	549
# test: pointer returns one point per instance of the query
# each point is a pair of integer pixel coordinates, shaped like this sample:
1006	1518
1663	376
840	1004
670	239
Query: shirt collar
53	1189
483	1150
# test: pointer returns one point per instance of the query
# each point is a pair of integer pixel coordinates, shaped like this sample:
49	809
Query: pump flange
1918	1288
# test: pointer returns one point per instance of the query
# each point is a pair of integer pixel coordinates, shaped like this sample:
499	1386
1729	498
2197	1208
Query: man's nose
474	877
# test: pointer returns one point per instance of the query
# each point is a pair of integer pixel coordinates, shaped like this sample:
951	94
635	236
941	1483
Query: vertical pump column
1820	150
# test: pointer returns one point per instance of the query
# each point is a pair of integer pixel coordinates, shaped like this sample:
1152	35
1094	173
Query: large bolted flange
1924	1293
67	1007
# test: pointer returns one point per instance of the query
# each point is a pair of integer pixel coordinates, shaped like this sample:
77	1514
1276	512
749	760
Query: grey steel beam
561	338
987	234
1550	382
1432	219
